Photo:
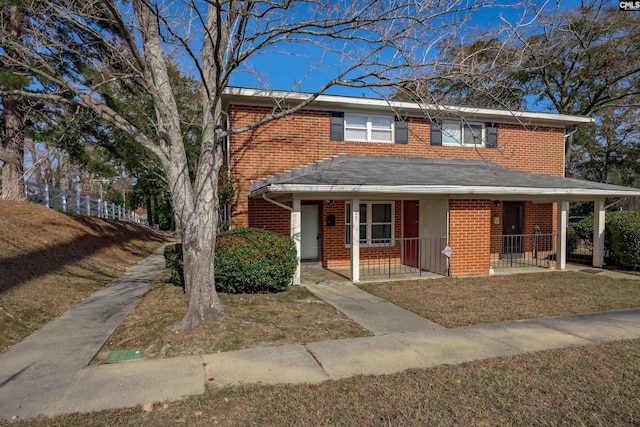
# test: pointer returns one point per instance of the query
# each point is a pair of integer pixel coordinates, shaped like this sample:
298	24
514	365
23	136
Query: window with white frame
463	133
368	128
376	224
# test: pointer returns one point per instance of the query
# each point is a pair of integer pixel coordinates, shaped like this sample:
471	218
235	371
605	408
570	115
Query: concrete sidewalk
139	382
36	373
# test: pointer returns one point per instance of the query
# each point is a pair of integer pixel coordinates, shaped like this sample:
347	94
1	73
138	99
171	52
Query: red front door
411	227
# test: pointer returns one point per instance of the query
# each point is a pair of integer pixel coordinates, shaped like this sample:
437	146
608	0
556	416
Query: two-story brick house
359	181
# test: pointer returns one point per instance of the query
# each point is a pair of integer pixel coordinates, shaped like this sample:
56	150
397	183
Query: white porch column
355	240
598	233
561	250
296	231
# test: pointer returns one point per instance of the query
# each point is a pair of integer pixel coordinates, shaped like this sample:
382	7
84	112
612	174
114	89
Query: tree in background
475	74
586	61
13	110
580	61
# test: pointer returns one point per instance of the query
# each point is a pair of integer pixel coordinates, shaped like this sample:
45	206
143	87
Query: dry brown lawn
50	261
455	302
252	320
596	385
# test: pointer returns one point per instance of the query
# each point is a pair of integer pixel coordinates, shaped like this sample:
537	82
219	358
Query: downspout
567	152
295	230
228	142
289	208
227	208
612	204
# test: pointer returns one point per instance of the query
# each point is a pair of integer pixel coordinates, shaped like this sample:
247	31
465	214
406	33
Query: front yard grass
597	385
253	320
454	302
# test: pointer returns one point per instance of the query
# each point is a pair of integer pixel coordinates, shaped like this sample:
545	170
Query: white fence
67	201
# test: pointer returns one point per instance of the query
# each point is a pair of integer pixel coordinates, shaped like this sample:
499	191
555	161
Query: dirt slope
49	261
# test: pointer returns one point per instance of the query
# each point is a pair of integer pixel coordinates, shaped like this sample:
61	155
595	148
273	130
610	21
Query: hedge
247	260
173	261
621	237
250	260
572	240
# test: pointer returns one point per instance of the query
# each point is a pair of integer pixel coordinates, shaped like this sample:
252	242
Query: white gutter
289	208
439	189
267	96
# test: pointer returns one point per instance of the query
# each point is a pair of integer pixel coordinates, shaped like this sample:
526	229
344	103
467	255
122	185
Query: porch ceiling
400	177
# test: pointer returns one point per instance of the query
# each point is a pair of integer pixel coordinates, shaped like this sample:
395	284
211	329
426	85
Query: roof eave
331	102
443	190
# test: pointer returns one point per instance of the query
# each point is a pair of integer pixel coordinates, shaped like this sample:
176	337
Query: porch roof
342	176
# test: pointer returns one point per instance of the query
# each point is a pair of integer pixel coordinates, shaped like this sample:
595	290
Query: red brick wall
469	232
263	214
540	214
303	138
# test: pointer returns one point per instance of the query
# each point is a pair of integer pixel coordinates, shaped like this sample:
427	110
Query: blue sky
302	68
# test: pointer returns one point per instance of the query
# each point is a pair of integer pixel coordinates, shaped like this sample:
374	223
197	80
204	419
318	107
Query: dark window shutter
436	134
402	130
337	126
492	135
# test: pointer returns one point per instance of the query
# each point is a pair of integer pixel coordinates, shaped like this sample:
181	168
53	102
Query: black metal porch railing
523	250
580	250
403	255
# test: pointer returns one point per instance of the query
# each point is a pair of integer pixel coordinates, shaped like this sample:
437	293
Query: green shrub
584	229
247	260
173	261
621	237
254	260
572	240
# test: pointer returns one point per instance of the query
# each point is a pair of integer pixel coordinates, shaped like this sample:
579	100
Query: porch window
376	224
462	133
368	128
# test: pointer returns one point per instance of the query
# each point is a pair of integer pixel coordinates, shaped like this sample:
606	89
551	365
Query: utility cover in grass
122	355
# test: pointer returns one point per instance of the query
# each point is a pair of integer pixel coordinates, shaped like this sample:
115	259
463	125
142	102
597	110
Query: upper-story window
368	128
463	133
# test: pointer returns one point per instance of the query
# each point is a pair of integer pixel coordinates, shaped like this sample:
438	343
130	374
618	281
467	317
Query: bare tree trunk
194	204
12	151
12	144
202	300
149	211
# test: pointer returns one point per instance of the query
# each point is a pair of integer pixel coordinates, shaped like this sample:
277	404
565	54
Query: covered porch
384	215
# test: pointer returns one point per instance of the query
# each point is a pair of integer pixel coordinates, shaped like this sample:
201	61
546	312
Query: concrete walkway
601	271
36	373
47	374
371	312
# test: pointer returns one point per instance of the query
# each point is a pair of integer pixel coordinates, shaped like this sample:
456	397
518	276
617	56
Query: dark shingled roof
366	170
